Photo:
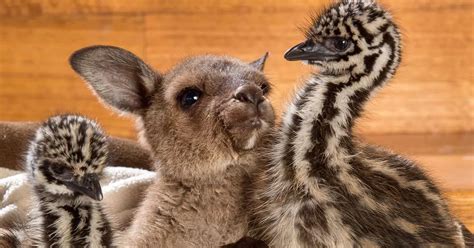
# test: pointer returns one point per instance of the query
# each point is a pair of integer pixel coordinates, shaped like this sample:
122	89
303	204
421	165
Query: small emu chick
64	162
321	188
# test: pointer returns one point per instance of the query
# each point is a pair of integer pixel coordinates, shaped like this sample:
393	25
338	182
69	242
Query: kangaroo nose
250	94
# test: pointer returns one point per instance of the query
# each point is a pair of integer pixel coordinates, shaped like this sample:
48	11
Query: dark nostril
256	123
244	97
249	94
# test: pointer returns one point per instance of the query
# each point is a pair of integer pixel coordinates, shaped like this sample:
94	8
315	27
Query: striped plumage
64	162
322	188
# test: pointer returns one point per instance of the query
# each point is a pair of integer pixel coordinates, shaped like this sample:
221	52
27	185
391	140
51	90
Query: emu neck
317	129
66	220
59	200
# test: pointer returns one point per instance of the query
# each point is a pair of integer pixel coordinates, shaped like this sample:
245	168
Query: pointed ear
117	76
259	64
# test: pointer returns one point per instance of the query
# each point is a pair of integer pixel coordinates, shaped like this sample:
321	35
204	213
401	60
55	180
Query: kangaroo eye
188	97
338	44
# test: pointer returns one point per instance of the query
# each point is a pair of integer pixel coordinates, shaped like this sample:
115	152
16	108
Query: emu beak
89	185
308	50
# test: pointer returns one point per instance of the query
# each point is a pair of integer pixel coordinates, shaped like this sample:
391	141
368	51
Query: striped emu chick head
204	114
351	36
66	157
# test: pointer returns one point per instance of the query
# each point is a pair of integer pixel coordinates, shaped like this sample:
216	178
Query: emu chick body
63	162
320	187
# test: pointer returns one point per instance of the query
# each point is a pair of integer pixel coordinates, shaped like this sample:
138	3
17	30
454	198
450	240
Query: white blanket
123	189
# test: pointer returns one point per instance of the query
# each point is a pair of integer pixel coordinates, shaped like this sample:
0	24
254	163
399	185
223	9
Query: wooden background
426	112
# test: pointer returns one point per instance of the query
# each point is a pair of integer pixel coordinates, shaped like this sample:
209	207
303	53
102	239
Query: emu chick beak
89	185
308	50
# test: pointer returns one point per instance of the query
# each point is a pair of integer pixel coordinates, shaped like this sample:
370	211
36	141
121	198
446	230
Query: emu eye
58	169
189	97
338	44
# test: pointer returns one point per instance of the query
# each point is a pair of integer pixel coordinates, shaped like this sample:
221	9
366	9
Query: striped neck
317	127
74	221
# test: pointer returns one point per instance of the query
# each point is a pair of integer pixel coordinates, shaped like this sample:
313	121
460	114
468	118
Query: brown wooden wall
427	111
432	92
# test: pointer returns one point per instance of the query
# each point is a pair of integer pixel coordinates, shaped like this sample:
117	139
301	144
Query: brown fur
7	238
204	154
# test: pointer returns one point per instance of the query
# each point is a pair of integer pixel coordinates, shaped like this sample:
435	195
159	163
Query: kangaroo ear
259	64
117	76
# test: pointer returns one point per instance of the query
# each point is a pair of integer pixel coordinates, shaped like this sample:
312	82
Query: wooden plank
448	159
432	92
40	46
449	171
424	144
54	7
35	78
52	101
462	204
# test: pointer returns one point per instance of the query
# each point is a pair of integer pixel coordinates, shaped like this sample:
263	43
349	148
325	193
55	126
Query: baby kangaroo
202	121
